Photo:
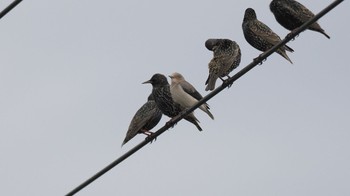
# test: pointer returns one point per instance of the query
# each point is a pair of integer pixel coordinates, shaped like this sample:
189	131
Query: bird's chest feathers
180	96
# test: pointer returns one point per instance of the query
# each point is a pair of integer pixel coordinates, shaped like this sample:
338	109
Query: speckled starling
185	94
146	118
162	97
260	36
226	57
292	14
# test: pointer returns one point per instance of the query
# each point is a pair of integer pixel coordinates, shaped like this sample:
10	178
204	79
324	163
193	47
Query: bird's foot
150	136
226	82
290	35
259	60
170	123
222	79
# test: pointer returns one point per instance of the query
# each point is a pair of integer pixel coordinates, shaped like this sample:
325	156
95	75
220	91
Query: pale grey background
70	82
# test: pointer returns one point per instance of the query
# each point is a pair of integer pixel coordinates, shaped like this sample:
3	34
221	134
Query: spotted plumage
145	119
226	57
292	14
260	36
163	98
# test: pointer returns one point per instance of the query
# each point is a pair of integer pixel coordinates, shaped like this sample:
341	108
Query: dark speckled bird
292	14
163	98
145	119
226	57
260	36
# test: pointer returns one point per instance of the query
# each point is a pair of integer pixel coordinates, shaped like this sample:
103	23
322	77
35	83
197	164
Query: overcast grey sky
70	82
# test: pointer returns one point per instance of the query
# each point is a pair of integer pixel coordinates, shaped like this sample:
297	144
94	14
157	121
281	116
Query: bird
185	94
162	97
145	119
226	57
292	14
260	36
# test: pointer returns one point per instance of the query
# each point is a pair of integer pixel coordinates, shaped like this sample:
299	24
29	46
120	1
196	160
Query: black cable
9	8
227	83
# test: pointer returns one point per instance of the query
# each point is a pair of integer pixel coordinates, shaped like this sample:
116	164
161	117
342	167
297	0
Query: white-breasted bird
185	94
162	96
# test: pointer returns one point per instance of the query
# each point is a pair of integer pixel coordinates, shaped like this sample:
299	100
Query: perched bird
162	97
292	14
145	119
226	57
185	94
260	36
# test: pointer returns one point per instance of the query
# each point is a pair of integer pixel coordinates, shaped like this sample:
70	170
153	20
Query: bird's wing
141	117
305	14
225	60
262	30
237	53
236	57
181	97
290	8
189	89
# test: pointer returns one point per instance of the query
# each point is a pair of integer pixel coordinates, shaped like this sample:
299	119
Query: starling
146	118
292	14
227	56
260	36
185	94
162	97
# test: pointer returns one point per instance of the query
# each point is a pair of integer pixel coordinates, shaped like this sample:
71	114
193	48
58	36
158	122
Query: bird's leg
226	81
149	135
259	59
170	123
289	35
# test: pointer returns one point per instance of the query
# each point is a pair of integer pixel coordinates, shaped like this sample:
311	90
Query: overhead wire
171	123
9	8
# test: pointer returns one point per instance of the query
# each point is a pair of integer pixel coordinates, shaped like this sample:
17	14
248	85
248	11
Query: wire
9	8
227	83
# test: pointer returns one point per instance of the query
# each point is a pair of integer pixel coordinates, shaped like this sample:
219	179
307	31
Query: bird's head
176	77
211	43
157	80
249	15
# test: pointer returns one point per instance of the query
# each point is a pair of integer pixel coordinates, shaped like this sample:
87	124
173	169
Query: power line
9	8
227	83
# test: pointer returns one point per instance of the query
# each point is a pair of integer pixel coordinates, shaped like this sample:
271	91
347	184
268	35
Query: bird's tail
192	119
289	49
325	34
205	108
283	53
316	27
127	138
210	82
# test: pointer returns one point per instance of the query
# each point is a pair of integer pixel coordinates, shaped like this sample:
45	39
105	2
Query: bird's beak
147	82
171	76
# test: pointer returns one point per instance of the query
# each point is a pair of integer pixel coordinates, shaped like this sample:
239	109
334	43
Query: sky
70	83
